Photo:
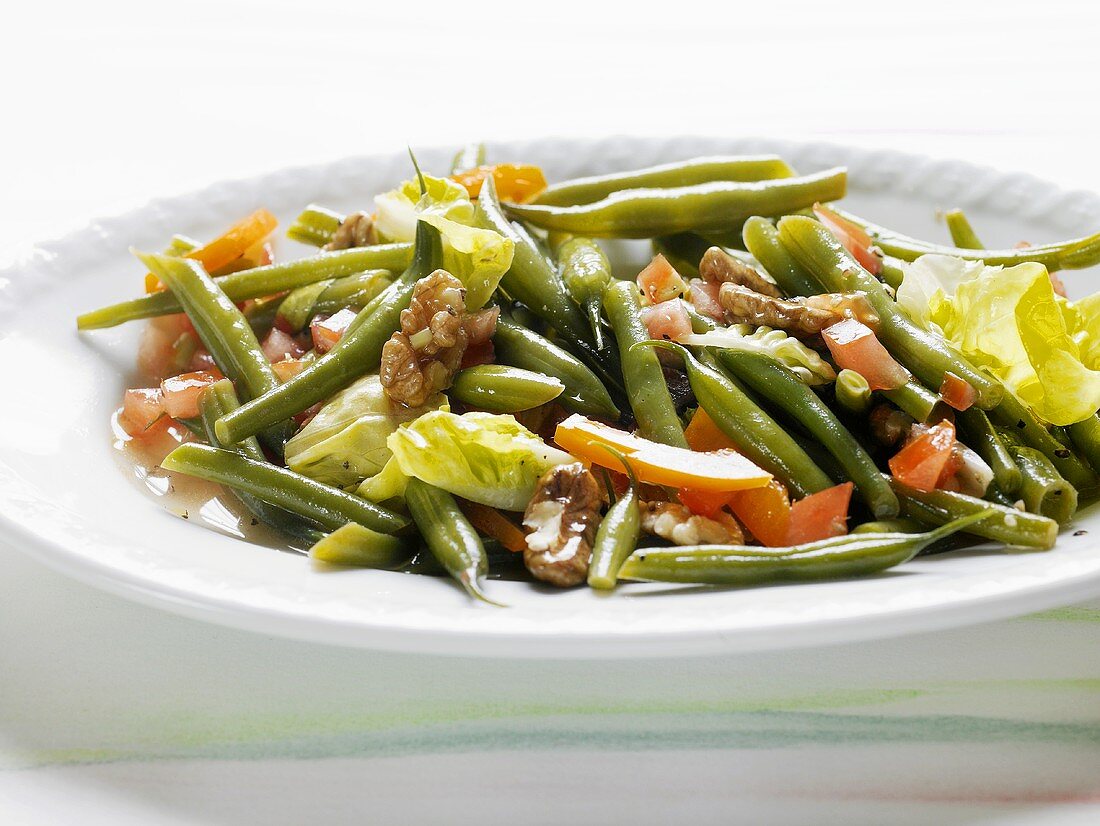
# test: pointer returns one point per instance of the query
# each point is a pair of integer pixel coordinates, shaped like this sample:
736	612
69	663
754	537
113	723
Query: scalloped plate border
463	630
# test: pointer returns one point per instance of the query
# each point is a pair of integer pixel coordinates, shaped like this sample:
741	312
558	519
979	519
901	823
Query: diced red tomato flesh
482	353
287	368
922	461
202	360
141	407
659	281
326	332
853	237
182	393
957	392
704	295
303	418
820	515
668	320
278	346
765	512
855	346
703	502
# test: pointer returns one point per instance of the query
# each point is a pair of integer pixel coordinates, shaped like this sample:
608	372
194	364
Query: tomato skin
765	512
703	434
659	281
668	320
923	461
855	346
182	393
287	369
704	295
141	408
820	515
853	237
957	392
327	331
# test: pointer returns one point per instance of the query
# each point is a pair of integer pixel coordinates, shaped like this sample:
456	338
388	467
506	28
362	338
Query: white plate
63	499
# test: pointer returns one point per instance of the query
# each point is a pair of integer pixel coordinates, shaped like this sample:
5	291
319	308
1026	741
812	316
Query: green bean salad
458	384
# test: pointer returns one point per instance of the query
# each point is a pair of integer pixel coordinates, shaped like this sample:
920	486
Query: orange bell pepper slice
492	522
703	434
514	182
227	247
713	471
765	511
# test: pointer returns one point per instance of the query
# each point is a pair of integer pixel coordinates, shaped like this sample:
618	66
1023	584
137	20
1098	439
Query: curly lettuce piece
1011	322
478	258
789	351
482	457
346	441
386	485
399	208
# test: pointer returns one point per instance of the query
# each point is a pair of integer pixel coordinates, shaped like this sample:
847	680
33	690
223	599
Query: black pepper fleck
1080	533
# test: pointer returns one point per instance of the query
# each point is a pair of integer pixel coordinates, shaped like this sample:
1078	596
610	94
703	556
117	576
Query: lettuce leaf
789	351
482	457
346	441
478	258
1009	321
399	208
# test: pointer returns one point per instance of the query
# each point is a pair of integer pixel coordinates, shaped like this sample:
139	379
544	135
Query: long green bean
585	271
471	156
919	402
980	435
1042	487
962	234
1017	418
1085	436
315	225
761	238
333	295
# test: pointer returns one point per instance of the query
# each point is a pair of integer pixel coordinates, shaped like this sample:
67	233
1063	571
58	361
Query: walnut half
719	267
357	230
563	516
680	526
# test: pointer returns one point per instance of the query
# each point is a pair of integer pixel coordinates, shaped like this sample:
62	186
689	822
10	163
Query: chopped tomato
181	393
304	418
287	369
719	470
514	182
278	346
141	407
853	237
202	360
703	434
668	320
854	346
156	356
704	502
481	353
765	512
704	295
660	282
227	247
957	392
492	522
820	515
482	325
327	331
923	459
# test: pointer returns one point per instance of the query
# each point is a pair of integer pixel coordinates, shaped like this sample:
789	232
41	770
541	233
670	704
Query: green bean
356	546
919	402
893	272
1085	436
258	282
217	400
643	213
751	429
841	557
617	535
585	271
1063	255
498	388
980	435
180	245
471	156
357	352
261	313
329	507
899	525
695	171
645	380
224	331
584	393
450	537
927	355
962	234
1042	487
1004	524
316	225
1017	418
853	393
331	296
762	240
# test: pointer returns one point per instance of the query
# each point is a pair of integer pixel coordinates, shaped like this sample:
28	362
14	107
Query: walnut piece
563	515
421	358
719	267
744	306
357	230
680	526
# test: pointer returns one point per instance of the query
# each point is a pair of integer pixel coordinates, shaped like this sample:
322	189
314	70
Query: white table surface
115	713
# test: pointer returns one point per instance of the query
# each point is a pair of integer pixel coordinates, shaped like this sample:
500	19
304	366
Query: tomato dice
141	407
820	515
287	369
855	347
921	463
668	320
480	353
957	392
704	295
659	281
182	393
326	332
765	512
278	346
853	237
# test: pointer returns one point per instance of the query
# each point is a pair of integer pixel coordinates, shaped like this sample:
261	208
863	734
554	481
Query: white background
108	104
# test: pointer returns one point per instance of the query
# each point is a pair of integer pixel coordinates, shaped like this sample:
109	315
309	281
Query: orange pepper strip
514	182
703	434
765	511
227	247
492	522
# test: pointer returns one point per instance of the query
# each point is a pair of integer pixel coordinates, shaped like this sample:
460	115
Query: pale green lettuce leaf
482	457
346	441
476	257
389	483
399	208
789	351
